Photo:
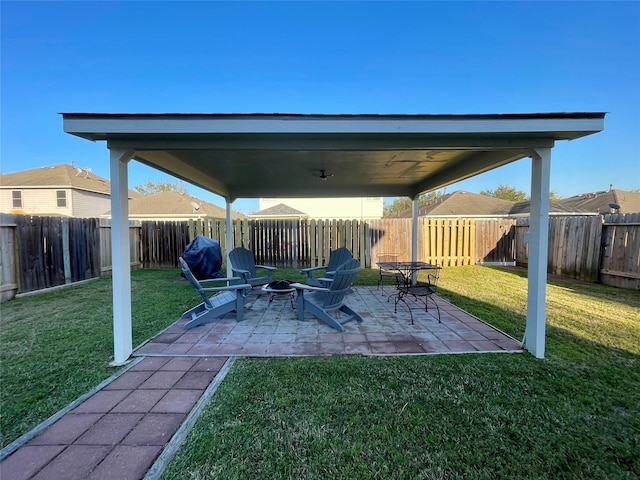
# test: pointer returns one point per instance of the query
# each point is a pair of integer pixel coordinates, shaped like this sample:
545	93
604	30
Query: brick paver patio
273	330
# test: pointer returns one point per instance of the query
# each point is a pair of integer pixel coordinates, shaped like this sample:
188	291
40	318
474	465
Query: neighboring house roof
521	208
279	210
461	202
175	203
58	176
598	202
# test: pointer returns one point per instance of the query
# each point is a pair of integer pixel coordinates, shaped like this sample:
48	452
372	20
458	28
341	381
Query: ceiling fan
322	175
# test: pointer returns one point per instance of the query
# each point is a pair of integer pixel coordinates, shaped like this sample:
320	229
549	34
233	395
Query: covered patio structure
279	155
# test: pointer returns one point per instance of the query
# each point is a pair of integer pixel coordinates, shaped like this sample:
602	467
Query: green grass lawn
57	346
573	415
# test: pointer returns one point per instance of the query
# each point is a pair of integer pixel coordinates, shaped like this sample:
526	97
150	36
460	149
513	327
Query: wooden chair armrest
221	279
267	267
240	271
238	286
312	269
300	286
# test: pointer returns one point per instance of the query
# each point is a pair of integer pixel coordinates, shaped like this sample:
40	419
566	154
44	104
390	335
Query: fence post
65	250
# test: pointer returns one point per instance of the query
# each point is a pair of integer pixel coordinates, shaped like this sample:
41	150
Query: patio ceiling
281	155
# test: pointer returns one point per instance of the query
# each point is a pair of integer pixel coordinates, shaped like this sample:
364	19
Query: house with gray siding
55	190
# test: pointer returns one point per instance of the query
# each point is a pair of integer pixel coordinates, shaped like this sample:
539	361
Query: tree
151	188
402	204
554	197
506	192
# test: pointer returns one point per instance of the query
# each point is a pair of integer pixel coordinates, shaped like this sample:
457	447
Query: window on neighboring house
16	197
61	197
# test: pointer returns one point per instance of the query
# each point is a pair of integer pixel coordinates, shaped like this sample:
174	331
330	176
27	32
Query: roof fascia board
101	126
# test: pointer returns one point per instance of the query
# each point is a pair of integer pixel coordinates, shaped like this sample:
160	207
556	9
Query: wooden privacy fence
135	228
42	252
574	245
288	243
161	243
451	241
620	251
45	252
306	243
590	248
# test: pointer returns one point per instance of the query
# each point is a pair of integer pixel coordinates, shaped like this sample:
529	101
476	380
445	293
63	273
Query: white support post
229	236
414	234
534	336
120	256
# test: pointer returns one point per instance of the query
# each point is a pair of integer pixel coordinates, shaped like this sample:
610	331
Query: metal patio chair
421	292
386	273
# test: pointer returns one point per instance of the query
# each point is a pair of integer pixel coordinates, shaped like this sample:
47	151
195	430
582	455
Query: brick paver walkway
118	432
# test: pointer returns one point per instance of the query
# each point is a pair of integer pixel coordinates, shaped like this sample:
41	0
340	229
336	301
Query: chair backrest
341	284
194	281
387	257
243	259
338	257
433	279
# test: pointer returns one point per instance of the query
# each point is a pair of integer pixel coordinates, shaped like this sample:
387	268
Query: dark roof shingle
279	210
61	175
598	202
462	203
176	203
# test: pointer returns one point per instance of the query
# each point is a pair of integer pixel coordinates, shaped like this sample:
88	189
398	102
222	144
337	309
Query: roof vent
86	171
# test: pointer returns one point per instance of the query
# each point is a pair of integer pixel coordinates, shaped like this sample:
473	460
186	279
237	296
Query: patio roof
280	155
287	155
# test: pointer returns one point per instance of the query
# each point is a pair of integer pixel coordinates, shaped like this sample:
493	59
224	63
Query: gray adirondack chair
227	298
327	303
243	264
336	258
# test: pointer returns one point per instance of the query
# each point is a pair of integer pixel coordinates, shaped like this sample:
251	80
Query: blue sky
324	57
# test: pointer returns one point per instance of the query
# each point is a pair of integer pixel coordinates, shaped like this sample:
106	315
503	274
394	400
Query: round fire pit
280	290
